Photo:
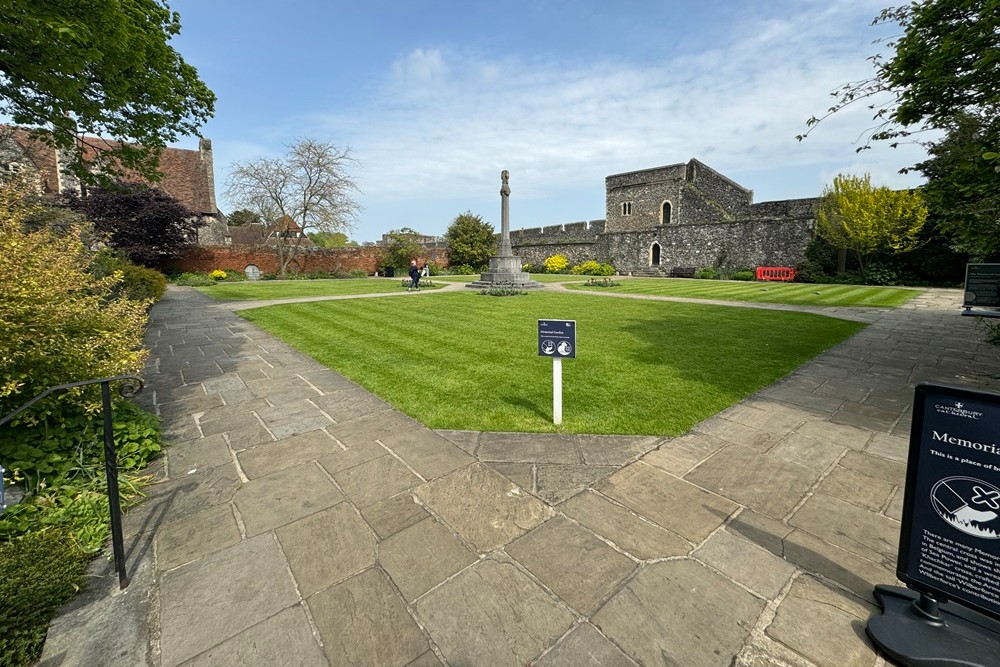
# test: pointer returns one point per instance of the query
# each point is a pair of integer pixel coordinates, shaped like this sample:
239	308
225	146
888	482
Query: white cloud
442	122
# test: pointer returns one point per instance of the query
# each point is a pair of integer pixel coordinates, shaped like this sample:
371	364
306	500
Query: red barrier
782	273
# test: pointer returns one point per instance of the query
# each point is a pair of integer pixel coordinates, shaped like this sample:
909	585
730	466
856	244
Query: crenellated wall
574	240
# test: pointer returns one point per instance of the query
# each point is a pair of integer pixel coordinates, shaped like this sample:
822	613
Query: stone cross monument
505	268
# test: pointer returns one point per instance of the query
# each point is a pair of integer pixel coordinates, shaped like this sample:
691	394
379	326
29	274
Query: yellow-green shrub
556	263
592	268
60	323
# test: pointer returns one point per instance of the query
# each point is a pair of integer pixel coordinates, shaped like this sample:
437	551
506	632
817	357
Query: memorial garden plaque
949	545
982	288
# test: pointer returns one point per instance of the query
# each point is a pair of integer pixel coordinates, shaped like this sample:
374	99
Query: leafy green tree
242	217
963	192
147	225
943	65
854	215
331	239
471	241
310	185
402	245
100	68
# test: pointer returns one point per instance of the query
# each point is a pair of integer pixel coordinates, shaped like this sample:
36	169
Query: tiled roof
184	174
187	174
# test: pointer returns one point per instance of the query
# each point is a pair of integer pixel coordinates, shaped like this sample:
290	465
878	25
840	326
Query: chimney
207	163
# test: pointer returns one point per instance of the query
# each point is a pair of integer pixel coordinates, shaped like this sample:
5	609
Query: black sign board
557	338
950	535
982	286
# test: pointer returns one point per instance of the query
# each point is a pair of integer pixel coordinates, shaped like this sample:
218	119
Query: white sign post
557	339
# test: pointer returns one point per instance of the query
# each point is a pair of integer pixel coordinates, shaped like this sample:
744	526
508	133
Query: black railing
131	386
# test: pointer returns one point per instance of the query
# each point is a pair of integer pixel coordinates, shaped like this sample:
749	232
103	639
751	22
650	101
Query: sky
435	97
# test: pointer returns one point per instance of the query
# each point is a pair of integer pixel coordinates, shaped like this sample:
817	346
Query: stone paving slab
810	604
422	556
627	530
482	506
675	504
327	547
199	609
266	458
585	646
285	496
572	562
364	622
506	618
680	613
764	483
282	639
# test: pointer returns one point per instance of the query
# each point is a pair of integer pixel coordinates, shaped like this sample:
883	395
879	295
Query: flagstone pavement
297	519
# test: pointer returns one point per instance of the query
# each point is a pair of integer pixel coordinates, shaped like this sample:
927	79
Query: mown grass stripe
461	360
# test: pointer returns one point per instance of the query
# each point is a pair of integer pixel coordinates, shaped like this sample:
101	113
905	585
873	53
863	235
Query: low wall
365	258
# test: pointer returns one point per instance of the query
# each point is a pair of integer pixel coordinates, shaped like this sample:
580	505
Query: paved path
299	520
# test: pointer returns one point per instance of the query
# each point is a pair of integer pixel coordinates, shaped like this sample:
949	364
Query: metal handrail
131	386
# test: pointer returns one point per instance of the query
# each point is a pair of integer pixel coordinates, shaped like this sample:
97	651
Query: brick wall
365	258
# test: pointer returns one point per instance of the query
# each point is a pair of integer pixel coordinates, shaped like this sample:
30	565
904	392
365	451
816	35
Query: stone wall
646	190
735	245
575	240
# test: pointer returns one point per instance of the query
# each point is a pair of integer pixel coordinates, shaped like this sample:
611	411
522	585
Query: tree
471	241
242	217
962	194
310	185
944	65
854	215
402	245
144	223
100	68
331	239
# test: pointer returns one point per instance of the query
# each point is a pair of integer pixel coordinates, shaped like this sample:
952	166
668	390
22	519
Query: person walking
414	276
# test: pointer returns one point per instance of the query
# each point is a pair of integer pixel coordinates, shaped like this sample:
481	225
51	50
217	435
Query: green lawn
466	361
539	277
291	289
800	294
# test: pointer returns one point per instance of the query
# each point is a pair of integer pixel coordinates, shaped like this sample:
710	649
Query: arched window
665	213
654	255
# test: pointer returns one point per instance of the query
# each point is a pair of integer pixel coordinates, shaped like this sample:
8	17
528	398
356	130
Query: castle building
680	215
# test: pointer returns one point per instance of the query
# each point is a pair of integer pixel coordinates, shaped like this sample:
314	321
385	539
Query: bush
38	574
217	274
706	273
60	323
530	268
463	270
135	282
68	445
810	271
603	282
556	264
361	273
142	284
743	275
592	268
502	291
234	276
193	280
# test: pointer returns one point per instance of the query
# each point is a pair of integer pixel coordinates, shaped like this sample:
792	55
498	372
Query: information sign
982	286
557	338
950	535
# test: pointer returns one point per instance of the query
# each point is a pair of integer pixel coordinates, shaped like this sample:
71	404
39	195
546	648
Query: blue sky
435	98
